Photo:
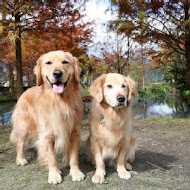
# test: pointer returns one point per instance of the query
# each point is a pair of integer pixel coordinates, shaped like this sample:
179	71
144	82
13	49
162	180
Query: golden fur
48	120
110	137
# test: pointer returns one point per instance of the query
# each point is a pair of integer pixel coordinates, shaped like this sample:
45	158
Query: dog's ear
96	89
132	88
37	72
77	70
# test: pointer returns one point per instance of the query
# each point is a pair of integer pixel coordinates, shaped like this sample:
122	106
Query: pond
140	110
5	113
154	109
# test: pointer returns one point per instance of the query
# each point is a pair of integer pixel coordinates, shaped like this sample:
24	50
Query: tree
140	64
72	35
24	16
116	52
175	71
163	22
91	67
7	59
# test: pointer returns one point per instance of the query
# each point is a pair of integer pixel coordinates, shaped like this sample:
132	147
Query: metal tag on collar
102	118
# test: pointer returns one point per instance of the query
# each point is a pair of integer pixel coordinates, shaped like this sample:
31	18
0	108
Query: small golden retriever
110	125
49	115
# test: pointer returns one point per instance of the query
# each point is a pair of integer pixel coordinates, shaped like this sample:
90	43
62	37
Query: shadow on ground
145	161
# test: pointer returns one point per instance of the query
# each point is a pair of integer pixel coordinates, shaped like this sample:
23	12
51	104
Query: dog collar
102	118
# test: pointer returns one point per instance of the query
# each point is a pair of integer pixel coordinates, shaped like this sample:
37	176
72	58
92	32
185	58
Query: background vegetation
150	41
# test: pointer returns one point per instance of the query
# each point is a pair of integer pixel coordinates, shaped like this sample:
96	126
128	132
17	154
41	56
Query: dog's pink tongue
58	88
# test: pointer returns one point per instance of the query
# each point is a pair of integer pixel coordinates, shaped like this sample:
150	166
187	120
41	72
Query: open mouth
58	87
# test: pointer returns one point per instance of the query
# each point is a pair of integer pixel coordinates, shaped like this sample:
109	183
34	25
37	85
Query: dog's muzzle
121	101
58	86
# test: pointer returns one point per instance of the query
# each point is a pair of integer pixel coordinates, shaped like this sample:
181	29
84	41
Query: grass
4	136
4	98
161	142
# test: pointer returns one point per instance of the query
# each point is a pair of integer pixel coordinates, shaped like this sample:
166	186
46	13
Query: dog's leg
130	157
98	177
122	172
19	139
89	152
46	156
20	159
128	166
75	172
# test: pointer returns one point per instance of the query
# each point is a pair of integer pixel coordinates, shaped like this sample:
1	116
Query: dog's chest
58	120
62	132
63	120
109	137
110	142
113	131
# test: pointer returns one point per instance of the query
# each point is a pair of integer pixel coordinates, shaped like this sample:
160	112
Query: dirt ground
162	161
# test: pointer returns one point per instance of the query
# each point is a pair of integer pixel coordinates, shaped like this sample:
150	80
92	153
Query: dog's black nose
121	98
57	74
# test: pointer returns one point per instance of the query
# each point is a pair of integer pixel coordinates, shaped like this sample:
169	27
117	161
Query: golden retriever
110	125
49	115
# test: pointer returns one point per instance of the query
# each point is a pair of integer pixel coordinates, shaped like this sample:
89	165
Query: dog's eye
123	85
65	62
109	86
49	63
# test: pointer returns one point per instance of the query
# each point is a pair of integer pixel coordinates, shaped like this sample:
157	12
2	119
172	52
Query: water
140	110
5	113
151	109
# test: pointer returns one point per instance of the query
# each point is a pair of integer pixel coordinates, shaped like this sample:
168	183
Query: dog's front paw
98	177
124	174
54	176
21	161
77	175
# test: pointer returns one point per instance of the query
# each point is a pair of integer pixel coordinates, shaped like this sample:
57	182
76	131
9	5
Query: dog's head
115	89
56	69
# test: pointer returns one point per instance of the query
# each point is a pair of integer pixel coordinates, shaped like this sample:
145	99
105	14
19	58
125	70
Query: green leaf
142	15
187	22
2	29
11	36
4	9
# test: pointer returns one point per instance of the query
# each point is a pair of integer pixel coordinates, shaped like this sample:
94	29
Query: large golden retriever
110	125
49	115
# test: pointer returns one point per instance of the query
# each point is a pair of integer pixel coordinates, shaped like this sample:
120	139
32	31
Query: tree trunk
11	80
143	66
188	64
19	78
187	41
143	81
